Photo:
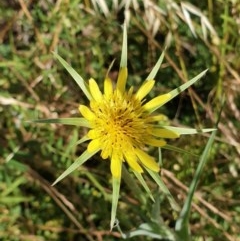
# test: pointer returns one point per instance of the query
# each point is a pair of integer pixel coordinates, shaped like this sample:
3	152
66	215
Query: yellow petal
145	89
106	149
94	145
86	112
164	133
94	89
159	117
108	88
105	153
131	159
122	79
155	142
157	102
116	165
93	134
147	160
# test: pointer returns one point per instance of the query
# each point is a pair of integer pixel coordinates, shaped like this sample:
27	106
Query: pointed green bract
183	87
180	89
163	188
78	79
144	184
156	68
115	195
123	62
188	131
173	148
78	162
109	68
65	121
83	139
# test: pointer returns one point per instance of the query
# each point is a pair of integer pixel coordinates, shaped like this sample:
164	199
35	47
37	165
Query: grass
33	85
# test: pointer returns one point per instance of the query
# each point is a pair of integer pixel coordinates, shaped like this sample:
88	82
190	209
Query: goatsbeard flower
121	123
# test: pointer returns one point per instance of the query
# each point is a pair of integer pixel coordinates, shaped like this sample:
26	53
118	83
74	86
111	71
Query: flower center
120	122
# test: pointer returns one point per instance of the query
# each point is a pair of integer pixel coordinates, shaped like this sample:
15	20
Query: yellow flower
121	123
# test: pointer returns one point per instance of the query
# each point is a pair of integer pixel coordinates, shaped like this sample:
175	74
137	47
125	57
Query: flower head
121	123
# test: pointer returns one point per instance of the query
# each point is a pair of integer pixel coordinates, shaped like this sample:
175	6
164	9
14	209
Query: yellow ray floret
108	88
147	160
94	145
86	112
164	133
131	159
116	164
122	79
94	89
157	102
145	89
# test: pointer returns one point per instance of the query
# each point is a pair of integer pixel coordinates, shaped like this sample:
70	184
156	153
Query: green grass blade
13	200
156	68
64	121
188	131
115	195
17	165
78	162
163	188
13	186
78	79
182	224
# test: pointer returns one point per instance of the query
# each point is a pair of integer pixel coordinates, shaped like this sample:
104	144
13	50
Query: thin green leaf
77	163
115	195
123	62
163	188
182	224
173	148
144	184
78	79
156	68
65	121
188	131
